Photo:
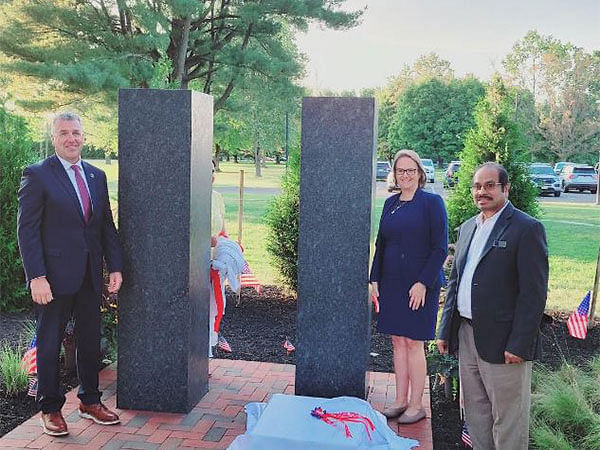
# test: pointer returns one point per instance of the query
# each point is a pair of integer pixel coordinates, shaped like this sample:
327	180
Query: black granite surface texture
165	148
336	193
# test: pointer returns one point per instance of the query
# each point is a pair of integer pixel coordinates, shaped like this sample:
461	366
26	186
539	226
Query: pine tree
496	137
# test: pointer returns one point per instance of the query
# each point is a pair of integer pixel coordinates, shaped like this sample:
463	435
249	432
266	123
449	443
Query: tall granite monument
336	193
165	148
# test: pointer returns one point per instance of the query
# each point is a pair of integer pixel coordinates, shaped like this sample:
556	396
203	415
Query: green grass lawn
230	175
573	231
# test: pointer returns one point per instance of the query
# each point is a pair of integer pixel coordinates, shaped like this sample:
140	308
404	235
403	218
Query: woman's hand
417	295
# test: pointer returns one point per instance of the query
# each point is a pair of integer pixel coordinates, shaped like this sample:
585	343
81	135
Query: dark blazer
54	239
508	292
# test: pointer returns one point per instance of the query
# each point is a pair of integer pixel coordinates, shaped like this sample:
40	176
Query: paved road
569	197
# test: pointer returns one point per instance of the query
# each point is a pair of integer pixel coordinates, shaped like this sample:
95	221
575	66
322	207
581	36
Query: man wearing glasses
495	300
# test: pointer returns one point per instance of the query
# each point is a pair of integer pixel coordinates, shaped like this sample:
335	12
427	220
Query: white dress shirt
480	237
71	173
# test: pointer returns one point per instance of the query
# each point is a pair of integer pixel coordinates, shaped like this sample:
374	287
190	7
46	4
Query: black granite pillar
165	148
336	193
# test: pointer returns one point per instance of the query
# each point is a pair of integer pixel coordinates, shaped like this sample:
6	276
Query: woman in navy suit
406	276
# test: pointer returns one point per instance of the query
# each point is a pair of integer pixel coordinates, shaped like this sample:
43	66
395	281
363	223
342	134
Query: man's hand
417	295
40	291
509	358
442	346
115	279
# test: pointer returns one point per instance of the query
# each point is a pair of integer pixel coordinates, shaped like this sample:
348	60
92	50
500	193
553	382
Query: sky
473	35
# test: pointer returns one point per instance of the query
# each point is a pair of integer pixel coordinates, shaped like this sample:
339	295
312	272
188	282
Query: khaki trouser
496	397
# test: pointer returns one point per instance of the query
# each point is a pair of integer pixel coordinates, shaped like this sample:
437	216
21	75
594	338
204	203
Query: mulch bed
257	328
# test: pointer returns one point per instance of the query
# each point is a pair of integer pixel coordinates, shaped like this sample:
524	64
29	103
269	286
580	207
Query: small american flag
465	437
248	279
223	344
33	387
288	346
29	360
578	320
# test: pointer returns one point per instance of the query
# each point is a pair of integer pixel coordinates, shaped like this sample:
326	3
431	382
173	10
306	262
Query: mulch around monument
257	328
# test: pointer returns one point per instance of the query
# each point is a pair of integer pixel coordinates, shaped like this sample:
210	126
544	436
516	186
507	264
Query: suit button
402	256
475	284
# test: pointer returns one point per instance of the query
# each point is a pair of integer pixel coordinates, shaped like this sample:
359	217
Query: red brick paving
215	421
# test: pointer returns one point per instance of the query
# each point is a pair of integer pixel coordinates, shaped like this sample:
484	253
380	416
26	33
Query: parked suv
429	170
451	175
383	168
579	177
544	178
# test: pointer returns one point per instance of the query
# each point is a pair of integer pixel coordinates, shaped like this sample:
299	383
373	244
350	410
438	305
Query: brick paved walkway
213	423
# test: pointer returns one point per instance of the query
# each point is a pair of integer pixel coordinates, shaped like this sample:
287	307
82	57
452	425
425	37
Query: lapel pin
91	175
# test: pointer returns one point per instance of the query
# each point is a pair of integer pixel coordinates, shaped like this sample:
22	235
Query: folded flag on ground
223	344
248	279
288	346
29	361
578	320
465	437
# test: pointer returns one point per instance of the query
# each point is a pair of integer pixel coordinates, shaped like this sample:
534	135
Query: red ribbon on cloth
343	417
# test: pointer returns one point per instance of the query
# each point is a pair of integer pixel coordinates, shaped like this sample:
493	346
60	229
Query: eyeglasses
490	185
405	171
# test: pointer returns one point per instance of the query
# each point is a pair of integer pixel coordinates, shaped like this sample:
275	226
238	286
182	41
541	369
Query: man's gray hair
68	116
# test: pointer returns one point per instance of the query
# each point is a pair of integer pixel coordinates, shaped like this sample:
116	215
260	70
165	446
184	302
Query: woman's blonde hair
415	157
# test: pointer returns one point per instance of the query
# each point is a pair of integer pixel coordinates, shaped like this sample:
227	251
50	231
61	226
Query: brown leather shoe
54	424
98	413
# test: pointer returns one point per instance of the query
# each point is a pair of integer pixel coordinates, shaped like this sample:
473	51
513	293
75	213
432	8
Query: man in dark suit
495	301
66	230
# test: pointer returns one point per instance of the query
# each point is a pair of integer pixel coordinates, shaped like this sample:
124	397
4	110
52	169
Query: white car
429	170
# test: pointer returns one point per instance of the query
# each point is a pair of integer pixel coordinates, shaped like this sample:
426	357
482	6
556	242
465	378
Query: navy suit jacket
54	239
508	290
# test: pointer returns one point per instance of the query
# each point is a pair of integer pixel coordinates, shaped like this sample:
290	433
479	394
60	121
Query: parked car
579	177
451	174
429	170
383	168
544	178
559	166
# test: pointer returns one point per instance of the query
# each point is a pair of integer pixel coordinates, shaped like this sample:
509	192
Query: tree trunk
263	158
217	157
235	159
277	158
257	169
183	47
107	157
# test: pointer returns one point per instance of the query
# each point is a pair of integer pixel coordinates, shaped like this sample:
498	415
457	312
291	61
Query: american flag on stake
248	279
29	360
288	346
223	344
578	320
465	437
33	387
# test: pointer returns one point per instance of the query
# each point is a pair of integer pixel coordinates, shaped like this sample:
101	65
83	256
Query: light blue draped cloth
285	422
